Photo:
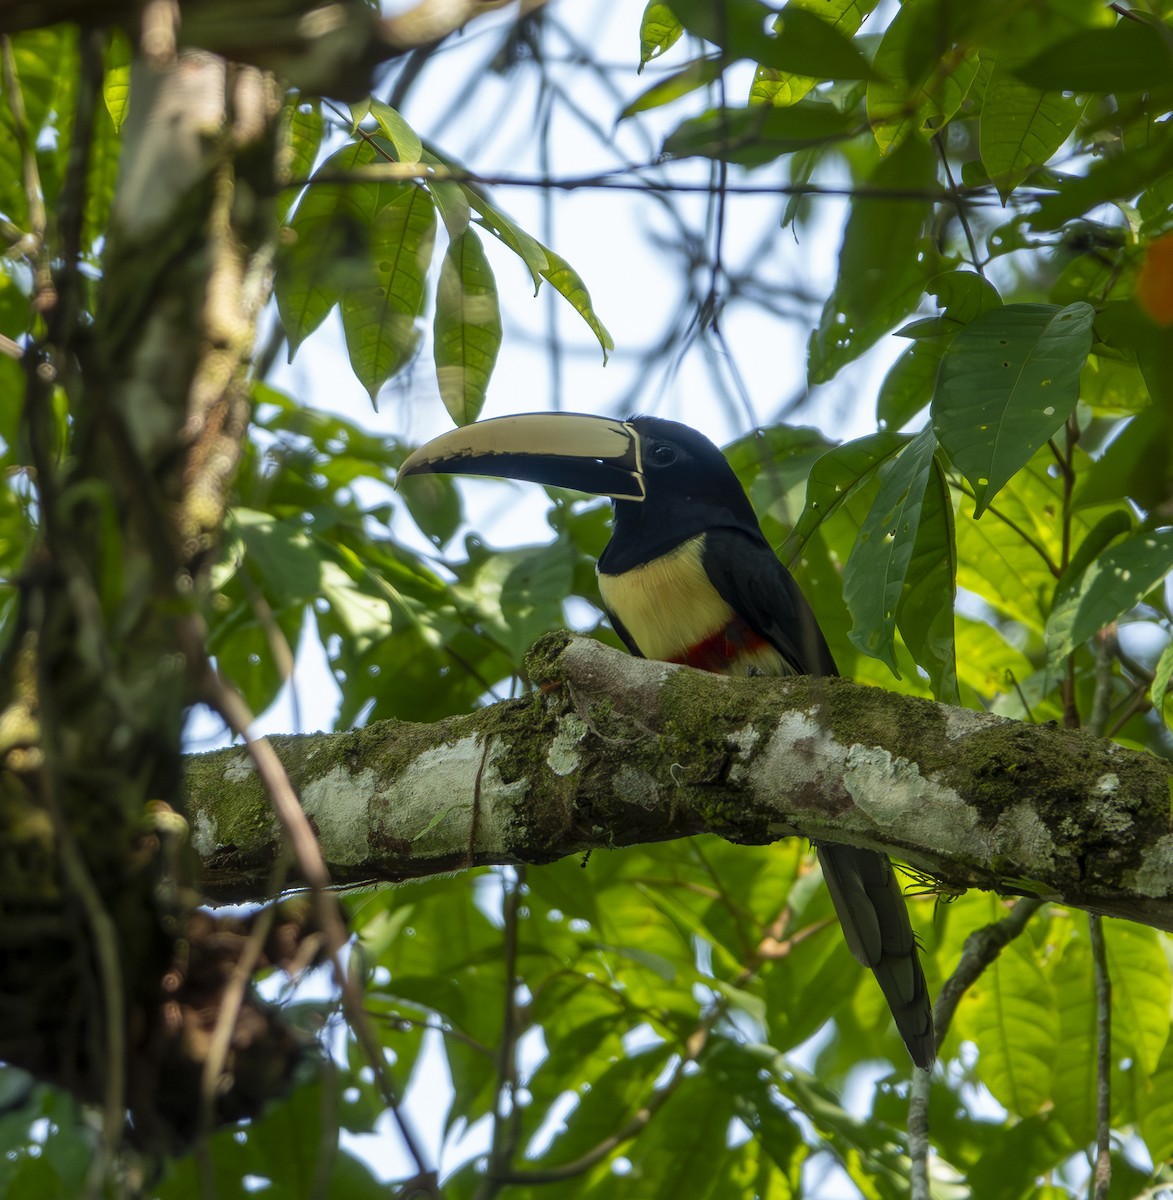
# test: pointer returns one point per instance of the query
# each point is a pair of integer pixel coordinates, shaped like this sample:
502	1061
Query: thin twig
308	856
1037	547
962	215
231	1002
620	180
980	949
1102	1172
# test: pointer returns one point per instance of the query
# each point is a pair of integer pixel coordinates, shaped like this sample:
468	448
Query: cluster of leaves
362	236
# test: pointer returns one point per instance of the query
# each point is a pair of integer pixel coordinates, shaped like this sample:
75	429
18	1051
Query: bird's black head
689	487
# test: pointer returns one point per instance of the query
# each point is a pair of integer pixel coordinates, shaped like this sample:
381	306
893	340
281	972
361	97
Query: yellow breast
668	605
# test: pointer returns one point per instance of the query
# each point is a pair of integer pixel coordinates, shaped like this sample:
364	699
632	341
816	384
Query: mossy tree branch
613	751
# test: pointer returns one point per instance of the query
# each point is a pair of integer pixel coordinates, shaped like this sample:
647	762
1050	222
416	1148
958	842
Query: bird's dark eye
662	454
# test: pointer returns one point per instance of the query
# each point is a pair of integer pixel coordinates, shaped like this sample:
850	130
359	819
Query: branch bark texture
612	750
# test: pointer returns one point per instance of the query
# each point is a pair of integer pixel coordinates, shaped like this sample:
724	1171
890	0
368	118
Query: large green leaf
467	332
1008	1014
1021	128
116	79
1132	56
1074	1079
696	74
1008	381
1116	177
908	386
1112	584
408	147
379	320
1156	1109
877	571
882	270
1142	990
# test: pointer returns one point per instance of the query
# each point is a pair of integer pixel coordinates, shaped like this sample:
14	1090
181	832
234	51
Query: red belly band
718	652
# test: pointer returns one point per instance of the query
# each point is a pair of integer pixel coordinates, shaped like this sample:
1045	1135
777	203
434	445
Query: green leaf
1156	1109
836	476
467	328
913	96
925	615
380	320
408	147
799	40
908	386
696	74
658	31
757	134
875	575
1007	382
1021	128
783	88
612	1100
116	80
1011	556
1113	583
882	271
325	249
1132	56
1074	1082
301	130
565	279
1142	989
1162	674
1009	1015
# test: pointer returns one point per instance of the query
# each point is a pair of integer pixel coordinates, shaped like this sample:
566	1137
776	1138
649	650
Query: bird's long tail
871	909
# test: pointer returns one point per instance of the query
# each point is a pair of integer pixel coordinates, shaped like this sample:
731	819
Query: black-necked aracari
688	577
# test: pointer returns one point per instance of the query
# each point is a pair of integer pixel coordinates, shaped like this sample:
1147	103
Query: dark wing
751	580
621	629
863	886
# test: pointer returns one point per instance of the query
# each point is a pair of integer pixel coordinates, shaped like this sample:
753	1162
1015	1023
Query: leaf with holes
875	575
658	31
882	264
1113	583
836	476
1008	381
